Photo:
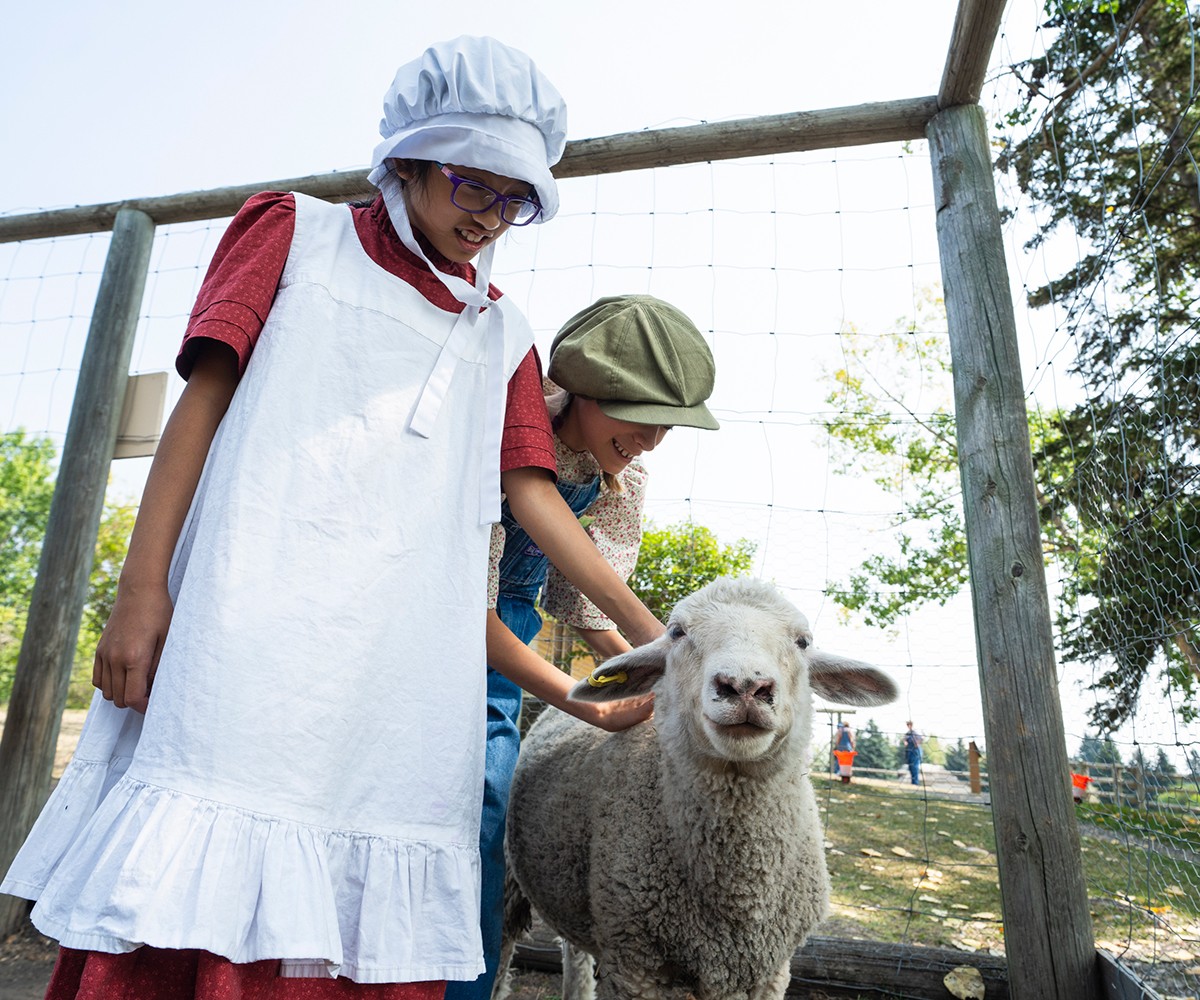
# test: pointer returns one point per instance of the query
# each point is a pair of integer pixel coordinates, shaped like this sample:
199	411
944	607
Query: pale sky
123	99
130	99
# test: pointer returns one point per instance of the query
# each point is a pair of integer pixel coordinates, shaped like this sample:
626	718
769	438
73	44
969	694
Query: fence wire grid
815	279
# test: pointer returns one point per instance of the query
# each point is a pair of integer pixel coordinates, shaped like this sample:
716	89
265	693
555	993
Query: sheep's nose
744	688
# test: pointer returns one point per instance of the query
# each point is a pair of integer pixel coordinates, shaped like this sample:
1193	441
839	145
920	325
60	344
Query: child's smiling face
613	443
456	234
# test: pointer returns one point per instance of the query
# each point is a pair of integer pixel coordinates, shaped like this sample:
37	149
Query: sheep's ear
849	682
625	676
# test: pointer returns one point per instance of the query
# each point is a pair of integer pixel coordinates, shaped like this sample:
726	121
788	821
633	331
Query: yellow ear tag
620	677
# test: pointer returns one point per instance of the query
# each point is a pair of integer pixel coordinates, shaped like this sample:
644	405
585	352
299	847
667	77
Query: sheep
685	854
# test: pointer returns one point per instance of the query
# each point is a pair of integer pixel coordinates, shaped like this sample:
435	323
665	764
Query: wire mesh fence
815	279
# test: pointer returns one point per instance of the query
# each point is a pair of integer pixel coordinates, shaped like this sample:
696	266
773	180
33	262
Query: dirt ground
26	961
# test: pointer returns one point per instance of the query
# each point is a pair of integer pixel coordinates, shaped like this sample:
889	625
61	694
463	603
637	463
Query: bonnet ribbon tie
478	318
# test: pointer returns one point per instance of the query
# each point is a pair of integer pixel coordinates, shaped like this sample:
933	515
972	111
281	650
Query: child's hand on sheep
613	716
513	659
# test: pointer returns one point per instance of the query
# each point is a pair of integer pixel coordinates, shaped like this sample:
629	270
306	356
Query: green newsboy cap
640	358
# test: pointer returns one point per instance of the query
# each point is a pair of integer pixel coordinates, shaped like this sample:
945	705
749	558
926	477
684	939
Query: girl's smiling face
456	234
613	443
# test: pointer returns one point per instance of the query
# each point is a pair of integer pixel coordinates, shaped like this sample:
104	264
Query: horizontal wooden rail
844	967
863	124
976	25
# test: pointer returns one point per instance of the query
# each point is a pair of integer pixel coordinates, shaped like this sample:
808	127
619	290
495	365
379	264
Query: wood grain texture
843	967
1046	918
48	651
976	24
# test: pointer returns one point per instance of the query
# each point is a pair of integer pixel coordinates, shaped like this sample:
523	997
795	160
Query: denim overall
523	569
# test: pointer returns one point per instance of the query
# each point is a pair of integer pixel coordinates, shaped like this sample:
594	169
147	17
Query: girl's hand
613	716
128	651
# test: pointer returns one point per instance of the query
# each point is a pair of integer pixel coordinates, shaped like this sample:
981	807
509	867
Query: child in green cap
626	370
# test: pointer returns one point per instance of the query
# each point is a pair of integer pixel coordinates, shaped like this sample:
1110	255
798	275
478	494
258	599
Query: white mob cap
476	102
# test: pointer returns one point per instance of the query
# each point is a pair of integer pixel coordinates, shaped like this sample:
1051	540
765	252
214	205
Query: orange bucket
845	759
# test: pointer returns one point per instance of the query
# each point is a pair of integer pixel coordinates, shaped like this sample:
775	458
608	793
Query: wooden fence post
1047	926
1139	787
973	756
48	652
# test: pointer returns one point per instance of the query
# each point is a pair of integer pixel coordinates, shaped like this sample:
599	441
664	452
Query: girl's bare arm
603	642
128	651
536	504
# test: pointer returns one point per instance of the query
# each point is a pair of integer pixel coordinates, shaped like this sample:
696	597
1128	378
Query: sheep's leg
502	984
518	919
776	986
613	984
579	974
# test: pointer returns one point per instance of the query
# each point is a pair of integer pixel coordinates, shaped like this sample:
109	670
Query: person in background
843	750
912	752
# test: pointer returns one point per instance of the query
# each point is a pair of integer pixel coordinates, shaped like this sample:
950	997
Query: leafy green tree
894	422
26	488
1093	750
1105	142
27	481
958	757
1164	771
678	559
873	748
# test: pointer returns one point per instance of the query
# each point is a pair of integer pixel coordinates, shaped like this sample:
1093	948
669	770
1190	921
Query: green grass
1177	828
944	894
1141	869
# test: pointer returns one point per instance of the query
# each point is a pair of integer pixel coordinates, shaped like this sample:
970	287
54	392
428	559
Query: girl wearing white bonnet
277	791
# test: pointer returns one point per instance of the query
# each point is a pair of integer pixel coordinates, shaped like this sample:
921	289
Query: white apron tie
477	319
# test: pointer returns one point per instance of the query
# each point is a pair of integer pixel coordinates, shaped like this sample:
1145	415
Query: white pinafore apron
307	782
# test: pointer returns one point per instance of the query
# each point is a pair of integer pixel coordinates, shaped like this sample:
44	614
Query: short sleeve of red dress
240	285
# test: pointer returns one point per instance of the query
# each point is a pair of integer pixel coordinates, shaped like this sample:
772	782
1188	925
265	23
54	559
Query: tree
26	488
27	481
874	750
1105	142
1093	750
894	421
676	560
958	757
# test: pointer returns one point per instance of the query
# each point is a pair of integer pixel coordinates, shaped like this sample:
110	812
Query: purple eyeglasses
475	197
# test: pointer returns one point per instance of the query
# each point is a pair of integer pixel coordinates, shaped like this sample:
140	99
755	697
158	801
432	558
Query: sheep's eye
677	632
802	642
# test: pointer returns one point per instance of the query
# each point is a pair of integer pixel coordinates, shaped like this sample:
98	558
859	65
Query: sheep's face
735	672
